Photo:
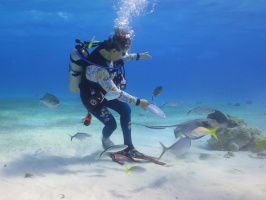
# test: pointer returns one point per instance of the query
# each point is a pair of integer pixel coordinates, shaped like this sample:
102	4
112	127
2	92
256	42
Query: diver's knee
112	125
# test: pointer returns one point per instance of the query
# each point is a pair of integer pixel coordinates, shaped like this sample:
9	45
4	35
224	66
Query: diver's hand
145	55
143	103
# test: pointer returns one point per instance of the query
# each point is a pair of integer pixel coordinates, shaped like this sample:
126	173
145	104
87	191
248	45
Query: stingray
213	120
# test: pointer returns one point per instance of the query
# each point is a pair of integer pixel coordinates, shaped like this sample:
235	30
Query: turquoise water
203	52
27	123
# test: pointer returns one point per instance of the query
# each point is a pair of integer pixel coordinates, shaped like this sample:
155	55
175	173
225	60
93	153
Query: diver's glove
142	103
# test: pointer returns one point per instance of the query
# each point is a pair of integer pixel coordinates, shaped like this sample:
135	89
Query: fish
155	110
80	136
237	104
202	110
173	103
110	95
50	100
179	148
158	90
113	149
213	120
249	102
187	127
202	131
135	169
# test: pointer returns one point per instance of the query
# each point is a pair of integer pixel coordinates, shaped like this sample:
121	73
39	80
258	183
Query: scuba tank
75	72
77	64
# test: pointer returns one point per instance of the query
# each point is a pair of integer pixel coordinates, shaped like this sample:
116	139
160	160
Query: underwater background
201	49
204	53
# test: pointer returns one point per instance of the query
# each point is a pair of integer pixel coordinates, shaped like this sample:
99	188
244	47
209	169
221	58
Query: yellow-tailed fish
202	131
135	169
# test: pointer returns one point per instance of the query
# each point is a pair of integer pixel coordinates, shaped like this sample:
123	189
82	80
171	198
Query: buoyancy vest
77	64
77	67
87	85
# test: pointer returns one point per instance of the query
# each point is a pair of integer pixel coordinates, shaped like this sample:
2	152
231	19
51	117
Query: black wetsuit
91	93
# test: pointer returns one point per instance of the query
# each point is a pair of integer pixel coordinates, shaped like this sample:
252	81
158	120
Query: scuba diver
104	73
120	78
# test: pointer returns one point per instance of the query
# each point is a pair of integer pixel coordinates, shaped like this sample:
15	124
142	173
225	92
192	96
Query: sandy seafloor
35	139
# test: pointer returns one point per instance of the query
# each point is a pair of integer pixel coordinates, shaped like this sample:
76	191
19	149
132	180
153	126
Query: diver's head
121	40
118	44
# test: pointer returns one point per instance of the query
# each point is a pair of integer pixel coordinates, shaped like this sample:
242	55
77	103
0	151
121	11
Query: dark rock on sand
229	154
263	153
30	175
238	136
205	156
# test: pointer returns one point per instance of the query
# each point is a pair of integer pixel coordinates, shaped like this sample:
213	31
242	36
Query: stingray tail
164	150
